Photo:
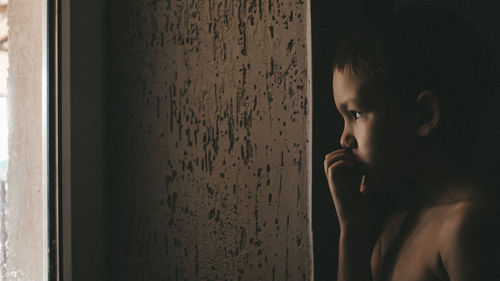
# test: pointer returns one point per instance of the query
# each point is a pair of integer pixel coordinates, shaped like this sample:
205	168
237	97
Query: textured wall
210	140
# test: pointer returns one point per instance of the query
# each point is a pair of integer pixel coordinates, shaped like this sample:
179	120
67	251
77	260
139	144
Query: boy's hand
346	183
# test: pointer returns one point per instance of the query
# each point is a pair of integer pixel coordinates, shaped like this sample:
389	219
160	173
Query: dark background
332	21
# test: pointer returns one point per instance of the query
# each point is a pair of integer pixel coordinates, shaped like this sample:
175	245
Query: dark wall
83	62
331	22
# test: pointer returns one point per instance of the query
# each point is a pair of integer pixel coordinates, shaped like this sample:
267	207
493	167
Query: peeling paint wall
209	129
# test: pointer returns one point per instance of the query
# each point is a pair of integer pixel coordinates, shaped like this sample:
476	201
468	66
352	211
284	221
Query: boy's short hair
426	48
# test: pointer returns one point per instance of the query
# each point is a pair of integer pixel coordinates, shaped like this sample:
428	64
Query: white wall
26	218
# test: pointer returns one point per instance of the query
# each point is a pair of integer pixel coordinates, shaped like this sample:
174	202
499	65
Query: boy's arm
355	250
355	215
470	242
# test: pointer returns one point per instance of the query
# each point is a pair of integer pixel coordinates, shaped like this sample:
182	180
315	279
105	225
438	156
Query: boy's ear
428	113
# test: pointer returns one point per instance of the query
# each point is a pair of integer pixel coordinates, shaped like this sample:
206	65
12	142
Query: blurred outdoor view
4	155
4	63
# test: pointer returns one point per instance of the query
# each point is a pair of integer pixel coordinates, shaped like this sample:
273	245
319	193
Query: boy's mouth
361	166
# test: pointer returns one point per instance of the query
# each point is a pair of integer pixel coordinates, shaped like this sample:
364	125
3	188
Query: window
23	140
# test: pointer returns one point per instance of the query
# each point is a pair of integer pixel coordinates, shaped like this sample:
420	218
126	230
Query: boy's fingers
338	157
332	160
336	166
343	168
337	154
340	169
338	151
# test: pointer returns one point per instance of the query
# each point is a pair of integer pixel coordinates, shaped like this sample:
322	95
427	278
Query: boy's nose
347	140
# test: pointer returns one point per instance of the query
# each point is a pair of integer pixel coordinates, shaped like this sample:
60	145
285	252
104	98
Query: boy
411	199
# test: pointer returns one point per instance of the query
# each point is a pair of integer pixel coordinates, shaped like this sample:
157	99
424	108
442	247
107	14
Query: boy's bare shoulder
470	208
468	239
454	237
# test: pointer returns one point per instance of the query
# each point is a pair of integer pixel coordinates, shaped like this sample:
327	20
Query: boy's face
378	130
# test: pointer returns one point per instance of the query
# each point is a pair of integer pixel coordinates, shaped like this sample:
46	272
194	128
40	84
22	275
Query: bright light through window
4	63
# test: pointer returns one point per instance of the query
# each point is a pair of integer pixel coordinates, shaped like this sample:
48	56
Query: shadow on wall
209	117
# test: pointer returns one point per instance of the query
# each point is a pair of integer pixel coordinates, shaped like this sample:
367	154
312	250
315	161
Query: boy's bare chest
409	250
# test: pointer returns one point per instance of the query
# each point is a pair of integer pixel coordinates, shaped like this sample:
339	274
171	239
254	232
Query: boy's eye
356	115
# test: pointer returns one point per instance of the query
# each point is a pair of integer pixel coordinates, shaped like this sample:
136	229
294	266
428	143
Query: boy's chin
375	184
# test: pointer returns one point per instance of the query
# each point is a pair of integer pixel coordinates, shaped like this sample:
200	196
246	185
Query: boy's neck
436	180
439	181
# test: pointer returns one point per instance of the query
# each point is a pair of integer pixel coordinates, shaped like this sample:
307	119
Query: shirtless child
411	199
